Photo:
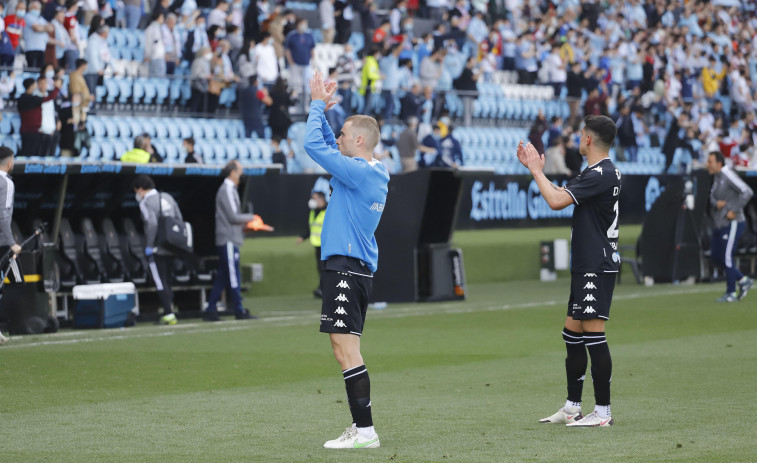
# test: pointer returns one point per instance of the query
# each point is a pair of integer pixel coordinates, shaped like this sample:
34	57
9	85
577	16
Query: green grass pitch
456	381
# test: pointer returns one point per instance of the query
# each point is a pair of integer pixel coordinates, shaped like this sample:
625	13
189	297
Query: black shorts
345	301
591	295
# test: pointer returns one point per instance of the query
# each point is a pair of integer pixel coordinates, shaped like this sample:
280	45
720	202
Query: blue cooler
103	306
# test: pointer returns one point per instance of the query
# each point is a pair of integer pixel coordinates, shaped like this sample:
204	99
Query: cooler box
103	306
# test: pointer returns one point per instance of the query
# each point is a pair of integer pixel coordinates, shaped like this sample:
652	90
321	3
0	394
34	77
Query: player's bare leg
357	382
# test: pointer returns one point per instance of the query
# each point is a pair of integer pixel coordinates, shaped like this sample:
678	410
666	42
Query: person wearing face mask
172	42
229	237
30	110
317	205
36	36
7	54
328	20
200	75
432	141
396	15
15	24
192	157
98	56
155	49
197	38
299	51
153	204
219	15
266	63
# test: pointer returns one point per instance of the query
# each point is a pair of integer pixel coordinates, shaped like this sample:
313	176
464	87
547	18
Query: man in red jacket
30	111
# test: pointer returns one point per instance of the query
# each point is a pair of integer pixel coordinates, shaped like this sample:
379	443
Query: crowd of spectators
676	75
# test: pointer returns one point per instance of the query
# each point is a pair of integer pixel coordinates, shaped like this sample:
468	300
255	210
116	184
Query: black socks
358	386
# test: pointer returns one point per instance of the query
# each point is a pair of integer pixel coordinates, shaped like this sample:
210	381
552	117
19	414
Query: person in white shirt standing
155	49
47	129
219	16
266	63
171	42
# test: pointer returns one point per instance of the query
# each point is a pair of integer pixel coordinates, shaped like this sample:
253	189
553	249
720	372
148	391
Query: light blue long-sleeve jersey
358	196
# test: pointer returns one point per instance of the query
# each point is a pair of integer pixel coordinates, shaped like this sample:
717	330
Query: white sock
366	432
602	410
570	405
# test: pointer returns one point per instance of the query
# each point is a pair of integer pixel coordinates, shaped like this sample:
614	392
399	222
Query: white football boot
351	439
592	420
563	416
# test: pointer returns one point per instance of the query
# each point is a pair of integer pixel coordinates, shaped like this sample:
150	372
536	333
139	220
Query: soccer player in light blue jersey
348	247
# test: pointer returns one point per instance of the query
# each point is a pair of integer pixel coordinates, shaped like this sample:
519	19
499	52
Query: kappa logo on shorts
589	309
340	324
590	275
343	284
590	298
590	285
342	298
340	311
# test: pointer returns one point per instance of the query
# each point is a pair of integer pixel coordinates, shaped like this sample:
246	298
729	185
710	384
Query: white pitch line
309	317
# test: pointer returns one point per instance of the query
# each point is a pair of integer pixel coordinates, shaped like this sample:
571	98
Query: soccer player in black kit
594	263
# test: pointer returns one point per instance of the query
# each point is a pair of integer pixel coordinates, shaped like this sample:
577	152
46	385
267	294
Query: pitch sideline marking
308	317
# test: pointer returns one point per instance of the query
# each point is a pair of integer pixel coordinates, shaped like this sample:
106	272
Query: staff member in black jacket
152	204
229	238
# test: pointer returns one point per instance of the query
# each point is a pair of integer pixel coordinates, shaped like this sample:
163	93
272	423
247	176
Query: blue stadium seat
161	88
112	89
243	150
95	126
100	92
158	126
186	91
125	88
171	151
220	130
134	127
107	152
172	126
146	125
174	91
5	125
184	128
120	146
112	128
265	150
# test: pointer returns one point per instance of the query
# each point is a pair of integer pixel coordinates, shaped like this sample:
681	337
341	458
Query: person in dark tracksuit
7	241
229	224
151	204
728	197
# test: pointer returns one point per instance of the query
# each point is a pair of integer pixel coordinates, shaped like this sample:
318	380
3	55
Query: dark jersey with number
594	234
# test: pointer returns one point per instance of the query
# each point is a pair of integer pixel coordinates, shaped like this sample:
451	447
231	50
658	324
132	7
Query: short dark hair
28	82
189	141
718	157
230	167
143	182
5	152
603	127
80	62
139	141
